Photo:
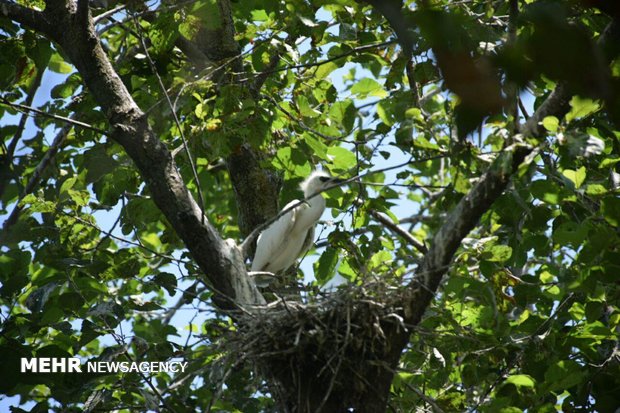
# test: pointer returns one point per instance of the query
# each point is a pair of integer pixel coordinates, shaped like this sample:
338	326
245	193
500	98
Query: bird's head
317	181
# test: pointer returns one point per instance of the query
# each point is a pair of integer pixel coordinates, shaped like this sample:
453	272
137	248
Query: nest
330	343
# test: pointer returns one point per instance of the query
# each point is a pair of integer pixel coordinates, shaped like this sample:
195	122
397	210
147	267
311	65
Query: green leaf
283	158
570	233
497	253
610	208
52	315
40	53
98	163
38	204
163	32
319	148
343	112
324	70
368	87
13	284
200	111
81	198
208	13
304	107
259	15
347	32
68	184
551	123
546	277
58	65
520	380
607	162
581	108
577	311
342	159
167	281
563	375
425	72
576	177
462	185
546	191
414	113
595	189
346	270
379	259
65	89
383	110
595	331
71	301
326	266
189	26
7	75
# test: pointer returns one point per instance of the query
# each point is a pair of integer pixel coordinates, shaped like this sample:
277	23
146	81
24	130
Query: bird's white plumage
291	235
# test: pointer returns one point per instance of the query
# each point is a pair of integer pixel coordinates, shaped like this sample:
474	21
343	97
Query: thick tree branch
392	10
218	42
219	259
490	186
459	223
162	87
256	189
23	15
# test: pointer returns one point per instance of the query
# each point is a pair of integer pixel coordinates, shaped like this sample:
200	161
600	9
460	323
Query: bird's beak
337	181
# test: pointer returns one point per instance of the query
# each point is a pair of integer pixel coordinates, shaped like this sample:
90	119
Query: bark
256	188
218	41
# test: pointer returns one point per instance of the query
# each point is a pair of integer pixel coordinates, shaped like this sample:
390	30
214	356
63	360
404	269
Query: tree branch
22	122
392	10
71	121
6	161
35	179
400	231
458	224
219	259
23	15
490	186
325	61
190	158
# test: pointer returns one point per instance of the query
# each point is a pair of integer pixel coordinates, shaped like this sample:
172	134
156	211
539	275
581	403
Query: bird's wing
308	241
273	238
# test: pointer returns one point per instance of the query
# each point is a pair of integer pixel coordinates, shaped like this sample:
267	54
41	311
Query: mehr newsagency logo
75	365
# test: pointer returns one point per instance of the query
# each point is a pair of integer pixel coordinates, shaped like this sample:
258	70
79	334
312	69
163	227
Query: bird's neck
314	212
317	202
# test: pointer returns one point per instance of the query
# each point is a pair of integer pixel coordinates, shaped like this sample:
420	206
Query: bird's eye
324	178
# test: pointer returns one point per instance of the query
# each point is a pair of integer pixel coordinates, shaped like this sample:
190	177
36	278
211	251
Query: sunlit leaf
520	380
368	87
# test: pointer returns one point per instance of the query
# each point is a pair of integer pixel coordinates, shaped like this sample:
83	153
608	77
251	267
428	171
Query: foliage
529	313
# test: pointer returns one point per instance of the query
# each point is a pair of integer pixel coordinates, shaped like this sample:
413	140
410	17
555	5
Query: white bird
291	235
